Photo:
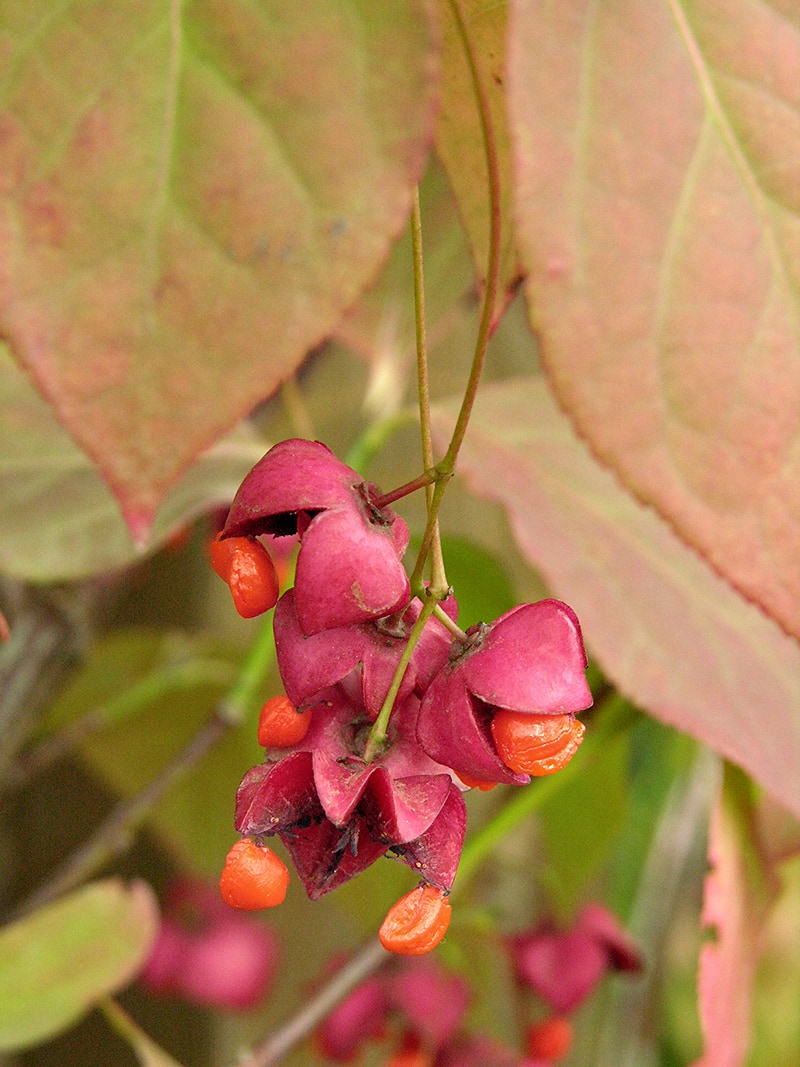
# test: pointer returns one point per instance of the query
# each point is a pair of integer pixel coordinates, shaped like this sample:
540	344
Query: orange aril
417	922
253	877
535	744
246	566
280	724
550	1039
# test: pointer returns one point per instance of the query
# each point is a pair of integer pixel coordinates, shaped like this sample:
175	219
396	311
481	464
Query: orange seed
253	877
417	922
281	725
535	744
247	567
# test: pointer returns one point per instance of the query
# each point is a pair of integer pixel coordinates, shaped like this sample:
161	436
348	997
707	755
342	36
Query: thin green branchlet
446	466
433	592
377	733
438	587
435	477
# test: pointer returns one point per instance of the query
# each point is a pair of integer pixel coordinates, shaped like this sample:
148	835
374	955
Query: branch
45	642
277	1045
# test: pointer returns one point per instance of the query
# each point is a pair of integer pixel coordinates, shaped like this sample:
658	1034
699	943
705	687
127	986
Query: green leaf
479	580
59	520
195	192
657	213
58	962
580	825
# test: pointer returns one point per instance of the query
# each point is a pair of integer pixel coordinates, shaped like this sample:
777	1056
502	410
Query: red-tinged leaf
59	521
735	906
657	217
778	831
192	195
674	637
460	140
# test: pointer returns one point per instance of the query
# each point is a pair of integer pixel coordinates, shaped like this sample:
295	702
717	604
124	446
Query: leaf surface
60	521
736	902
459	133
672	636
59	961
192	195
657	209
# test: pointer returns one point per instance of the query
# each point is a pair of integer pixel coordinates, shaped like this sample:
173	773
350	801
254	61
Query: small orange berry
246	566
253	877
281	725
535	744
417	922
550	1039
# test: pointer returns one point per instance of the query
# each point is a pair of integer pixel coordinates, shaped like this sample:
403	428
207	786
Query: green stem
438	587
447	465
377	733
427	538
258	662
493	263
438	578
423	481
448	623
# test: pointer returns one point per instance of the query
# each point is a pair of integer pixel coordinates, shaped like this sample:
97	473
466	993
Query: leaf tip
139	519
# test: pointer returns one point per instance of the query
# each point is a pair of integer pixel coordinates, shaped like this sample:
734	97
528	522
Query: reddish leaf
59	521
735	906
657	209
459	134
668	632
192	195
